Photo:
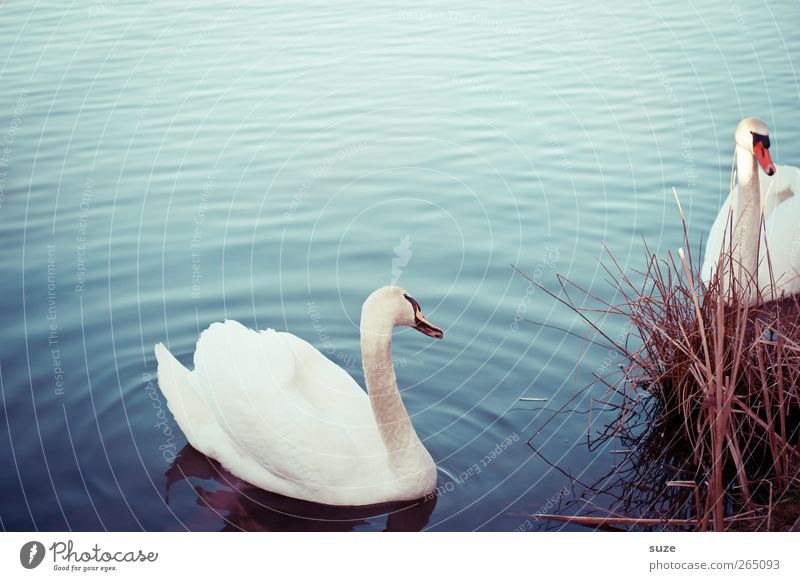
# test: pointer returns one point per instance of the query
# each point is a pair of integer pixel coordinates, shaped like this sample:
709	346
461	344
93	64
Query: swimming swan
278	414
775	197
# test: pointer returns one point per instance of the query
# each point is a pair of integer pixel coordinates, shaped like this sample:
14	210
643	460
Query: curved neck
390	414
746	219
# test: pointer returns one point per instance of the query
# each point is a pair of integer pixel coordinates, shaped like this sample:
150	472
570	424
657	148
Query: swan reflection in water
244	507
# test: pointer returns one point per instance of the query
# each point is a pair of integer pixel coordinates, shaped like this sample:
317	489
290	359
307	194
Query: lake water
166	165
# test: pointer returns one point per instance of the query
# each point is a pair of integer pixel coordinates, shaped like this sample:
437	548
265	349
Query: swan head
393	305
752	135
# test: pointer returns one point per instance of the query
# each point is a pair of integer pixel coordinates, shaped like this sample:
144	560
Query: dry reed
711	386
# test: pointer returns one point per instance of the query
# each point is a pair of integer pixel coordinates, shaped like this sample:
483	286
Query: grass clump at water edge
707	402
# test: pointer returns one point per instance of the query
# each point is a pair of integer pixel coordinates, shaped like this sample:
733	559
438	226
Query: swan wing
783	241
779	188
289	419
187	405
326	385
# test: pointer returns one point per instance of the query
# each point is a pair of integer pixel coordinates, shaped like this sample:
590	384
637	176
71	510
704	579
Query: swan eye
758	138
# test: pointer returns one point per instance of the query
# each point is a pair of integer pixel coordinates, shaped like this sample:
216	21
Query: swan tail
190	410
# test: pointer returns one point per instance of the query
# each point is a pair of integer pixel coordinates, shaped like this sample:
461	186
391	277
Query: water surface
166	165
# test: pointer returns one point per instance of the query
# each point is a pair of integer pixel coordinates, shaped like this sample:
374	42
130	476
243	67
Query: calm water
165	166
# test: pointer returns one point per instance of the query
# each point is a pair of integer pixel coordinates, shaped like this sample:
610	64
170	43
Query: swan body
278	414
764	209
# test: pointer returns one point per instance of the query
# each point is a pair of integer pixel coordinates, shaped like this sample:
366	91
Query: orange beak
764	160
424	326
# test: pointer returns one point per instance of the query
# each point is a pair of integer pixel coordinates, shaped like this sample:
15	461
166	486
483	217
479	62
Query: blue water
168	164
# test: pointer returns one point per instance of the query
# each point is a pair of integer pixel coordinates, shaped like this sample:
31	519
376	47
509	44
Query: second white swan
772	196
277	413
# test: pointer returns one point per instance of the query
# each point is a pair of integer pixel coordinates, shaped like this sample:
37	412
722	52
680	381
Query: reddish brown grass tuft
720	377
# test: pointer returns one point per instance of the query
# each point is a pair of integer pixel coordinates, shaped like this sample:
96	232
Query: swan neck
390	414
747	218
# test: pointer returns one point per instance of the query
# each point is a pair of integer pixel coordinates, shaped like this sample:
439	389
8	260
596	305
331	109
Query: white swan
775	197
277	413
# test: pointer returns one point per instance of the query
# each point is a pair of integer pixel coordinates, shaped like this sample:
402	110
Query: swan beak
422	325
764	160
